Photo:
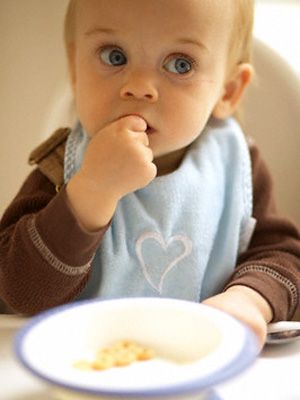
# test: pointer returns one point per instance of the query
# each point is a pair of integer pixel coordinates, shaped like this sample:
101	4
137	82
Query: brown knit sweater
45	255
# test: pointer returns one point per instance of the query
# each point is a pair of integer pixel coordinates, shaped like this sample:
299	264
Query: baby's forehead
193	14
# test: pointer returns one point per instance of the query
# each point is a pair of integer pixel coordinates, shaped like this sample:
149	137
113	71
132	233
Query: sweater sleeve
45	255
271	265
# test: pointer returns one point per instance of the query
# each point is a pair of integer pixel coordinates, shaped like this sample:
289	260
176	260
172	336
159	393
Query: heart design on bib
150	272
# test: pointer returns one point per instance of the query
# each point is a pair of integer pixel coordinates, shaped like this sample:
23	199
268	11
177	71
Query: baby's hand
117	161
246	305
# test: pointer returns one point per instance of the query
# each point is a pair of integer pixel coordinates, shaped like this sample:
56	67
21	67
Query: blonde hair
241	45
242	32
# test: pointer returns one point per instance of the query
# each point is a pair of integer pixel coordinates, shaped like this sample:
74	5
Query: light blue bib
179	236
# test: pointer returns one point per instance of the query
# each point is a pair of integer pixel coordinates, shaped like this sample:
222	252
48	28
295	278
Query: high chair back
272	118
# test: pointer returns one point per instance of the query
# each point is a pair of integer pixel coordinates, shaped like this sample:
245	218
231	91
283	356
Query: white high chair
272	117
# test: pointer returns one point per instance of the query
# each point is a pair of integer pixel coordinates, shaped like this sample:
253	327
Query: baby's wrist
256	299
92	207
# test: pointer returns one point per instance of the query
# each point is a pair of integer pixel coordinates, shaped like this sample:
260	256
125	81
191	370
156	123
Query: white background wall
33	65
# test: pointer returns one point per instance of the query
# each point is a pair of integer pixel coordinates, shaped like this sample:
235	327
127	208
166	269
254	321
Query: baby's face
165	60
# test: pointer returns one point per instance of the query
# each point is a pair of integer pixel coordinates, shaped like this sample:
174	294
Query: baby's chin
168	162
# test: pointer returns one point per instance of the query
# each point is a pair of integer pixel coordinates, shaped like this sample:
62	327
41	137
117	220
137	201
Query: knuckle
150	172
122	124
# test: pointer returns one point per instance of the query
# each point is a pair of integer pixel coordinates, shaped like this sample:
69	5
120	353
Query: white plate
197	346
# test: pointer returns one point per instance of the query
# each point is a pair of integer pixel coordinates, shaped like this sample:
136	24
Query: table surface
274	375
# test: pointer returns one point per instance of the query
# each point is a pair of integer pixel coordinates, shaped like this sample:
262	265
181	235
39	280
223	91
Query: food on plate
118	354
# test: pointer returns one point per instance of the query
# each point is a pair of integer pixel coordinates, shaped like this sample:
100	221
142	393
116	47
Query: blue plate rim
237	365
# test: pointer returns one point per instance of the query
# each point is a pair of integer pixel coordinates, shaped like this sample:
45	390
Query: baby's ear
233	91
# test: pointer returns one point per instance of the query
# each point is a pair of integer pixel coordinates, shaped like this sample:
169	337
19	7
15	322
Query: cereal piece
146	354
123	358
103	361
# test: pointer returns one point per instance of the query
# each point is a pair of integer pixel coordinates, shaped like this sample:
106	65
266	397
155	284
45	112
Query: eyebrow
96	31
193	42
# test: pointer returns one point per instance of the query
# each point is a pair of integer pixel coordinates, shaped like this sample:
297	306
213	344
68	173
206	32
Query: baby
155	192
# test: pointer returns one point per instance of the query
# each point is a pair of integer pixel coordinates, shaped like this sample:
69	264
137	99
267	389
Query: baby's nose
139	88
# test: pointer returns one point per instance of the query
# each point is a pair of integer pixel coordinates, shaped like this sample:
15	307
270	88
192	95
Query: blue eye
179	65
113	57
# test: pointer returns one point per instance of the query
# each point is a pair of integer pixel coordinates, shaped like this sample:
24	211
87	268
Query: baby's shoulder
49	156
